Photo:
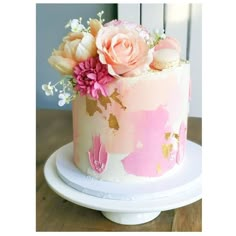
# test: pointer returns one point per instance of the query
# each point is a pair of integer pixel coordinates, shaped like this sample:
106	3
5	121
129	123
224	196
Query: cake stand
127	204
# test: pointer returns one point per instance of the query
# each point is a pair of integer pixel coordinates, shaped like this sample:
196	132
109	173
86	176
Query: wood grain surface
53	213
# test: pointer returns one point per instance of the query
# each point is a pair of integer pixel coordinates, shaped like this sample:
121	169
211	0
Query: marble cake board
126	204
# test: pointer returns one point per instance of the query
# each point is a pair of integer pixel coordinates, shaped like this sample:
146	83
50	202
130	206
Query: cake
130	99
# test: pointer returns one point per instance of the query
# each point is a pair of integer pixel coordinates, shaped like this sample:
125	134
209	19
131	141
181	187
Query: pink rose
130	25
76	47
123	49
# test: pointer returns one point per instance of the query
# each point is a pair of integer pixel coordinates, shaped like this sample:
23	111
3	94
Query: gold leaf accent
166	149
167	135
104	101
176	136
92	106
116	99
158	168
113	123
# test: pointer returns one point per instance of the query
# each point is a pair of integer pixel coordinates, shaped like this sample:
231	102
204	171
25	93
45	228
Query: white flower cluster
66	94
77	26
100	16
156	36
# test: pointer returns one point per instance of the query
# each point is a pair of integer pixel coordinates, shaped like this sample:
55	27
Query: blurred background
181	21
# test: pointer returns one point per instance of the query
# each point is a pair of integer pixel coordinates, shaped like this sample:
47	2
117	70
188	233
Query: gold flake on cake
158	168
114	96
166	149
168	134
92	106
104	101
113	123
176	136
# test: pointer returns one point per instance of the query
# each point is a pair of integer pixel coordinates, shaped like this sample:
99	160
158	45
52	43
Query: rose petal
122	49
111	71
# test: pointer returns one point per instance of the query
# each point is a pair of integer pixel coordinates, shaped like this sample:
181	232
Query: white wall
181	21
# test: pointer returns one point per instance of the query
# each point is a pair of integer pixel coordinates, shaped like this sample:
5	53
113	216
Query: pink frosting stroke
182	142
98	156
152	126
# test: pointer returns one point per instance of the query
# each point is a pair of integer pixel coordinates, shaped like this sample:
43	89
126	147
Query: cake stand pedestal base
130	218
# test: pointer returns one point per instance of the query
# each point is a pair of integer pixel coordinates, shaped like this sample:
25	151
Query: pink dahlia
91	77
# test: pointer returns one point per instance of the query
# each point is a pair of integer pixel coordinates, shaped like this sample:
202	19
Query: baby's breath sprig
80	20
155	37
66	93
88	21
100	16
76	25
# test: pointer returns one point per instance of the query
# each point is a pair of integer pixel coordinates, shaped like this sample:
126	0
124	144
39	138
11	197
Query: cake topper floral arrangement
90	58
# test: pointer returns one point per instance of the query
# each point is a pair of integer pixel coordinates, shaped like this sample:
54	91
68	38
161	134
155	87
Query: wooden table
54	129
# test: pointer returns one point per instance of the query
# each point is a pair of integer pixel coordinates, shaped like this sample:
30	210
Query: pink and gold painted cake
130	94
138	131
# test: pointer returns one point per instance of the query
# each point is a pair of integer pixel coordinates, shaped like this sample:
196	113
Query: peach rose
123	49
76	47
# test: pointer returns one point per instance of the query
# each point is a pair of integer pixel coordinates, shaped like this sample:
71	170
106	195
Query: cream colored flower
95	26
76	47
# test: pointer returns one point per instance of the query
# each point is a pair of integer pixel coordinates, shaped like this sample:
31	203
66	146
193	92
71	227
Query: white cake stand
181	188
